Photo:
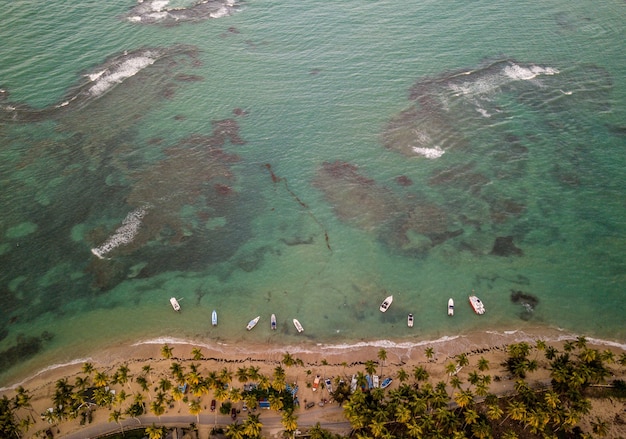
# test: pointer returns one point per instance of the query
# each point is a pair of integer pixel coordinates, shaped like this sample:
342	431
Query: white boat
252	323
175	304
375	381
329	385
353	383
477	304
273	321
450	306
386	303
214	318
298	326
409	321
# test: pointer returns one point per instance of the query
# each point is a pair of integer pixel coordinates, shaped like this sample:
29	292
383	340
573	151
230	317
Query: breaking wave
93	85
163	12
125	234
108	78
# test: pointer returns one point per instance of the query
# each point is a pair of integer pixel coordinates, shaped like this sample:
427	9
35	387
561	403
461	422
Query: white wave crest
125	234
517	72
429	153
130	67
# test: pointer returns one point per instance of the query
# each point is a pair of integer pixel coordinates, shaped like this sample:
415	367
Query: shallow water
307	161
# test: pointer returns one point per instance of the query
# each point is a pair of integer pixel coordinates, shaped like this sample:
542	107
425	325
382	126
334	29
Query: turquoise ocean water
307	159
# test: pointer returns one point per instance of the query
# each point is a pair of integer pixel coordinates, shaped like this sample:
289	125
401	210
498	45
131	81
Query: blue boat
386	382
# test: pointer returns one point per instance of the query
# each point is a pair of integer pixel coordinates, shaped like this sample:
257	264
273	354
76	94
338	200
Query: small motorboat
298	326
175	304
409	321
214	318
450	306
316	382
386	303
329	385
273	322
477	305
375	381
252	323
386	382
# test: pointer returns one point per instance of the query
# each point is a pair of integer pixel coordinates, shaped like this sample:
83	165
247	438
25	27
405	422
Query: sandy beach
328	361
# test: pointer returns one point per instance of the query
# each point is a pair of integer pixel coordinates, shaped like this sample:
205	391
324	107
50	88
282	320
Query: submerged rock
504	246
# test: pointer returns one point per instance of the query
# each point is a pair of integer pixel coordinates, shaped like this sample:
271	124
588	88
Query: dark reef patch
504	246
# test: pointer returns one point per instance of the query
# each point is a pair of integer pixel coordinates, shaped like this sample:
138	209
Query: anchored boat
386	303
252	323
175	304
477	305
298	326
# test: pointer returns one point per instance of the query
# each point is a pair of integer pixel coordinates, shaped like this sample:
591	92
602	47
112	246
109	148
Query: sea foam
106	79
429	153
125	234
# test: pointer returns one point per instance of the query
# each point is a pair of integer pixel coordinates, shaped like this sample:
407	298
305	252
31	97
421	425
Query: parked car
213	405
309	405
233	413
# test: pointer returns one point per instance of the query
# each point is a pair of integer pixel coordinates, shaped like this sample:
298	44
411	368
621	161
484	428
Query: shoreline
328	361
399	352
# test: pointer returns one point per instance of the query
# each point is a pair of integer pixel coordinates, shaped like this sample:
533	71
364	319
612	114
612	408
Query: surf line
276	179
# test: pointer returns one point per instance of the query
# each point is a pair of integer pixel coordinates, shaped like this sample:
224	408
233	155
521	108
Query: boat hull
214	318
450	307
175	304
477	305
298	326
386	304
252	323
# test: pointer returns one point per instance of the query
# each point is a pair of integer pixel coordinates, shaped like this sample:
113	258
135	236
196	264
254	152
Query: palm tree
253	373
177	395
420	374
178	372
382	356
456	382
100	379
482	430
429	352
252	426
165	385
483	364
157	408
235	431
289	421
276	402
116	416
87	368
155	432
195	408
288	360
147	370
166	351
121	375
600	427
370	367
242	374
494	412
462	359
402	375
464	398
196	353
